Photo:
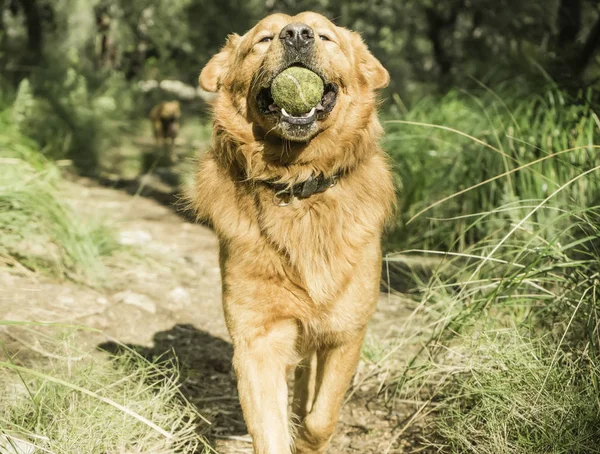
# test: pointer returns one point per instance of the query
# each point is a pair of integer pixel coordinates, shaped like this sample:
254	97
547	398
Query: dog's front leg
335	367
260	362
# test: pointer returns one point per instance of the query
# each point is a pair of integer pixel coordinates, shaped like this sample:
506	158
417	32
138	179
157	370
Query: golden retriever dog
165	121
299	205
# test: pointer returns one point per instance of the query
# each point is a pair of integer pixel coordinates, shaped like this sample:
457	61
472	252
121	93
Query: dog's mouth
268	107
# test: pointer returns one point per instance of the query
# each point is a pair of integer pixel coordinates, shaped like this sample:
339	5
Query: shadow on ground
367	424
207	378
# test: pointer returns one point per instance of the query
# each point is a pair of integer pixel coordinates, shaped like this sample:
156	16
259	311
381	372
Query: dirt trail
168	299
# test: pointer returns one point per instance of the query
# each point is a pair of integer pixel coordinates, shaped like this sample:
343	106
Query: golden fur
165	121
300	282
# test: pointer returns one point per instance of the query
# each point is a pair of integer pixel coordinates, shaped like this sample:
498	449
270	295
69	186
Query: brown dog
299	204
165	121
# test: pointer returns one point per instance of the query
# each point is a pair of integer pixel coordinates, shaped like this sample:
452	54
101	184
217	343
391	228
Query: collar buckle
283	197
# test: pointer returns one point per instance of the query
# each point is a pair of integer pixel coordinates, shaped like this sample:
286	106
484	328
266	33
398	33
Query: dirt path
168	299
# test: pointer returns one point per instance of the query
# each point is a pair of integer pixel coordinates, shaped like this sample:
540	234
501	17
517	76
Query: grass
444	147
38	232
71	401
520	399
506	191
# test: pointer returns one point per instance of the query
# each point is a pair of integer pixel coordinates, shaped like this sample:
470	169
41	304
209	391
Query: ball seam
299	87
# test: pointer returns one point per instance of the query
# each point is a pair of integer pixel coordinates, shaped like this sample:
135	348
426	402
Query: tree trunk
569	22
589	48
33	23
436	26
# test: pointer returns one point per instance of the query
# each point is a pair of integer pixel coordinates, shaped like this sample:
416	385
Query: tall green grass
37	230
444	146
505	190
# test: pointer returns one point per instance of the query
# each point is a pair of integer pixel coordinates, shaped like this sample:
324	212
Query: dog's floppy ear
369	66
211	75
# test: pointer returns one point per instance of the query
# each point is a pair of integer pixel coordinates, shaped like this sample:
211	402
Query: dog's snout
297	36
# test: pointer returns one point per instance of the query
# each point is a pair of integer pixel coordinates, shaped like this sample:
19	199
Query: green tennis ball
297	90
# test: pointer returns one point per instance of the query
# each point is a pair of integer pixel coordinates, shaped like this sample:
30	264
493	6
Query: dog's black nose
297	36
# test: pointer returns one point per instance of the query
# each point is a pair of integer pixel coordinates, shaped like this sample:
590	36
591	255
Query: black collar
284	193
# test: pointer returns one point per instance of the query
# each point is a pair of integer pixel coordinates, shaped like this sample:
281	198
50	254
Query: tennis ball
297	90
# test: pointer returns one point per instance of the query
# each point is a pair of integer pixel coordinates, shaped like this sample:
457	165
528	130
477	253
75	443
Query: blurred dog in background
165	118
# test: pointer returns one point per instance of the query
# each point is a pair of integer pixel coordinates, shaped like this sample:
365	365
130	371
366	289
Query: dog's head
243	71
171	110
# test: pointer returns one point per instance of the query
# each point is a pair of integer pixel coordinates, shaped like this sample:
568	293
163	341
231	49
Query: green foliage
424	44
441	147
70	120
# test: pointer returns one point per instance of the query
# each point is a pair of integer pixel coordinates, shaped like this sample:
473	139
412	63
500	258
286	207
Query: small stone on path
135	299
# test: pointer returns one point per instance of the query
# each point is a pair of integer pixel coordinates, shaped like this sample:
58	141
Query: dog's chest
321	238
